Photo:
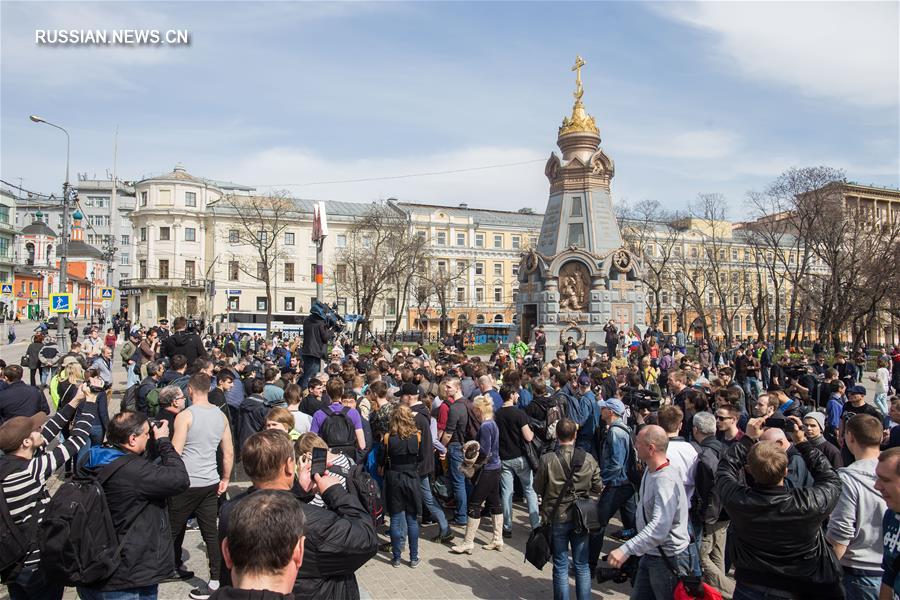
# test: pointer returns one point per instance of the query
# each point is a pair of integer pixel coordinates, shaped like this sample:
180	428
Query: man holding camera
662	540
316	336
765	558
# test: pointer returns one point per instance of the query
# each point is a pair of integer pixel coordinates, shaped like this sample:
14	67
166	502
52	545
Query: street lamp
63	263
92	297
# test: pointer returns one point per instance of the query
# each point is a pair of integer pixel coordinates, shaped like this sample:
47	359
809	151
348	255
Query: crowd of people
757	475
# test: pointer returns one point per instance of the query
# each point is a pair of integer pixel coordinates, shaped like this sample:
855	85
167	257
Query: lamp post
63	263
92	297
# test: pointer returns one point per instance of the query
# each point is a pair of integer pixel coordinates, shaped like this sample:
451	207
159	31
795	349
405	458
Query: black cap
407	389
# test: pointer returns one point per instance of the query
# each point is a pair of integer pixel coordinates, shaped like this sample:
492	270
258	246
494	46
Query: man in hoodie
136	494
181	342
854	529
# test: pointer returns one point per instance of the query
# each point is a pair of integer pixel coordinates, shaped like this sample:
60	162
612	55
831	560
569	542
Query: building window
143	198
479	294
288	238
189	269
262	237
460	239
289	271
498	318
163	268
479	268
694	252
442	238
340	273
479	240
498	240
190	199
515	269
90	239
576	207
390	307
341	240
576	234
4	214
516	242
142	269
190	234
261	271
233	270
261	303
143	234
123	259
664	297
165	233
234	236
234	303
498	269
498	294
460	294
126	239
734	254
289	304
461	267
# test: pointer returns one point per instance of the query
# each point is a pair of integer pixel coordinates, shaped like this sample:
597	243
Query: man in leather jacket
772	525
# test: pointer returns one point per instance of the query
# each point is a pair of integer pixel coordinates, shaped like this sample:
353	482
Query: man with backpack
182	342
340	425
130	357
24	471
583	409
136	491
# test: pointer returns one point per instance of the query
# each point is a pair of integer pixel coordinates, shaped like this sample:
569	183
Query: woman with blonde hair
486	492
403	491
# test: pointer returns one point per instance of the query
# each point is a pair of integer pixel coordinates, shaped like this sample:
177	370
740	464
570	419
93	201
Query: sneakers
507	533
414	563
395	562
623	535
179	574
201	593
443	538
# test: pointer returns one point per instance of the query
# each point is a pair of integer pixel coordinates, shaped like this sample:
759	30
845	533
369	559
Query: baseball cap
407	389
856	389
615	405
584	379
68	361
15	430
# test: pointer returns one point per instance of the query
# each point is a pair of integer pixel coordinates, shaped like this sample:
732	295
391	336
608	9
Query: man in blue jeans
662	540
451	424
514	434
618	491
551	484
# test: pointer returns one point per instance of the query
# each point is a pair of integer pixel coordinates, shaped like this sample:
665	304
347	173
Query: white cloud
843	50
691	144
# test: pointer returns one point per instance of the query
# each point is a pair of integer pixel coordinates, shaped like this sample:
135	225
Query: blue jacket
525	398
615	454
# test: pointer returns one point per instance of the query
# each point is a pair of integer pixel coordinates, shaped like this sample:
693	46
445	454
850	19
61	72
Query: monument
580	276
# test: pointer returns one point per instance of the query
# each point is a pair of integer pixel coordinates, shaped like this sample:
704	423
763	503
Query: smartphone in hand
319	459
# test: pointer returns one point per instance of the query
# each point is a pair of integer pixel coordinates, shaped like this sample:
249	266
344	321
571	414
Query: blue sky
690	98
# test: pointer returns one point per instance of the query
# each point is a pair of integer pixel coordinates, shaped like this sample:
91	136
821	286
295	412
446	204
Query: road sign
106	293
60	303
34	293
7	288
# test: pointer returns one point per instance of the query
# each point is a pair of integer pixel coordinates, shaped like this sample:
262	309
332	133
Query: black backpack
15	541
129	400
79	544
473	422
367	491
339	432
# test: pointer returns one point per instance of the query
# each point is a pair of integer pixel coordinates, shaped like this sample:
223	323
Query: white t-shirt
302	421
882	378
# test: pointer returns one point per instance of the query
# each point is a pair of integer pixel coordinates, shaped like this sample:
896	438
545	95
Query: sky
690	98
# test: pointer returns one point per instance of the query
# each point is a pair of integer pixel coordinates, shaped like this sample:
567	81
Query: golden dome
580	121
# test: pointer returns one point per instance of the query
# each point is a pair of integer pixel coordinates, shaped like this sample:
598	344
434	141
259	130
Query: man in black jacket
184	343
765	558
706	509
315	347
19	399
136	494
339	539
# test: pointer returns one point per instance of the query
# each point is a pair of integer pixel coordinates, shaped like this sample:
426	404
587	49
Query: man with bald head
765	558
798	475
662	522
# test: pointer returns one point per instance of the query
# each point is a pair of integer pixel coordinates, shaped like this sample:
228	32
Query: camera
640	399
155	423
626	573
329	314
780	422
795	371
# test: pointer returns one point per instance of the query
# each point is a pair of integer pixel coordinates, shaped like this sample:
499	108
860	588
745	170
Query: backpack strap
109	469
327	410
577	461
345	410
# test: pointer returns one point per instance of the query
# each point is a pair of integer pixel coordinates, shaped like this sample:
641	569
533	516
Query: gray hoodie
856	520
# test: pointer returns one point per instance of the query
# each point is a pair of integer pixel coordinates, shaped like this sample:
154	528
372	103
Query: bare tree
441	278
260	223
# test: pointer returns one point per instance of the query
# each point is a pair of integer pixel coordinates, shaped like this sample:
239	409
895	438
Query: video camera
627	572
640	399
329	314
796	370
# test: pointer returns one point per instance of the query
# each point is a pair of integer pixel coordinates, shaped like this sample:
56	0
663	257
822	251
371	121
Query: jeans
148	592
31	583
458	481
204	503
521	469
861	587
712	558
563	535
45	375
311	367
404	521
751	390
613	498
654	580
433	507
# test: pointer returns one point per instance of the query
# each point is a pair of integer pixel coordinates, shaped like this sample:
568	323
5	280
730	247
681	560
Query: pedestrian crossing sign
60	303
106	293
7	289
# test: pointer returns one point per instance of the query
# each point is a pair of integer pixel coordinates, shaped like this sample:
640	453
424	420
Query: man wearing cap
855	405
618	491
24	471
814	425
20	399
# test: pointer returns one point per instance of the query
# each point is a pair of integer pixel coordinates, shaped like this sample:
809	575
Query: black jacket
230	593
426	447
339	540
252	418
706	508
315	337
21	400
136	495
187	344
790	553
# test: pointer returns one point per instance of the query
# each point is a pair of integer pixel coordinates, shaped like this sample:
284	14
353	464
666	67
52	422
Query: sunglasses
723	417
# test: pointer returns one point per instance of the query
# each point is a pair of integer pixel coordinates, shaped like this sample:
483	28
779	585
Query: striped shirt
24	488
